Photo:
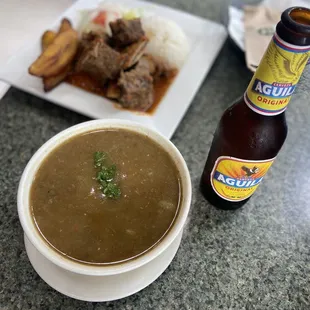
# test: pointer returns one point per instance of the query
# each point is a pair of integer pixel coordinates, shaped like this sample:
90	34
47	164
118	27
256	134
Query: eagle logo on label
235	179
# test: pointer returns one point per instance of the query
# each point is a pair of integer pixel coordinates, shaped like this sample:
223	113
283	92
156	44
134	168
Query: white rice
168	43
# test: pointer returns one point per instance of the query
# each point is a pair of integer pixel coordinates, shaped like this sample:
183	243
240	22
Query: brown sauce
85	82
161	86
72	215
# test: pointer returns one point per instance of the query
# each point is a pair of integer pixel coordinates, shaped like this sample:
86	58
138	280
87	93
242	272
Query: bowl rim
51	254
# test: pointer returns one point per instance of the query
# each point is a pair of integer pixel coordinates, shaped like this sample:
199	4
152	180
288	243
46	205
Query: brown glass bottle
254	128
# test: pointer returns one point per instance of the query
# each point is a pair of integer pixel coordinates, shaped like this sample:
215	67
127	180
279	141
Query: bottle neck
276	77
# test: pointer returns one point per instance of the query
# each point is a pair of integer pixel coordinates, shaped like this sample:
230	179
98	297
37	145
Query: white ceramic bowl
92	270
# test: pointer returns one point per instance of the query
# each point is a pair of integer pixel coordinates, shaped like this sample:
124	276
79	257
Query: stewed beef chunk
126	32
88	37
148	64
134	52
100	61
136	88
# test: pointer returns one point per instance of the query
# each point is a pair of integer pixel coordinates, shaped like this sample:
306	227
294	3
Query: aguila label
236	179
270	89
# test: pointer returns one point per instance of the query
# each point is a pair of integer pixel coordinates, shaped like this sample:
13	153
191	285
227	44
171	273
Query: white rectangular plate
206	39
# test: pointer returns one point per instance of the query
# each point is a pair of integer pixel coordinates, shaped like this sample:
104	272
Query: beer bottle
252	131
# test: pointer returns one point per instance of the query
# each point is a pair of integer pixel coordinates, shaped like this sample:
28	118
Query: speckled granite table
255	258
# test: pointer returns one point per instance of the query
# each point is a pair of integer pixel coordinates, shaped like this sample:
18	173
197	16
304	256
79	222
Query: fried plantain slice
47	38
57	55
65	25
52	81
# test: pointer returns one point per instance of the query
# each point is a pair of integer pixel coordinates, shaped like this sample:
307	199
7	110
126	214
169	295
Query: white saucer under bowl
100	288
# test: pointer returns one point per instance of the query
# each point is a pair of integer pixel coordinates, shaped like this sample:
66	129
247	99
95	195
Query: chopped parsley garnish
99	158
106	176
112	191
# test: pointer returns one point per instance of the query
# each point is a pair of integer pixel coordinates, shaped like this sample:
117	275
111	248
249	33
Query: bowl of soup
104	197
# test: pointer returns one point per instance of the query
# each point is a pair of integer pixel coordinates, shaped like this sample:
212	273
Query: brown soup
77	219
